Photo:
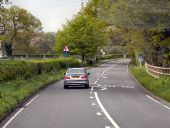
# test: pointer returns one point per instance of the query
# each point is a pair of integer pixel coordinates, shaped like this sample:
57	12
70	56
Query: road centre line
107	70
12	118
31	101
105	112
158	102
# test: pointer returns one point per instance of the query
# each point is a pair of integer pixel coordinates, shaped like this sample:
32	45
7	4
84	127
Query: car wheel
65	86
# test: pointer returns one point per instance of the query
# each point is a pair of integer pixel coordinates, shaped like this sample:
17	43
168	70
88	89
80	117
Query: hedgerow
12	70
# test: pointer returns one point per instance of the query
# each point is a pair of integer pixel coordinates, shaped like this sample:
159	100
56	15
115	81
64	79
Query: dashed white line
158	102
31	101
91	97
107	127
93	104
105	112
92	88
99	114
12	118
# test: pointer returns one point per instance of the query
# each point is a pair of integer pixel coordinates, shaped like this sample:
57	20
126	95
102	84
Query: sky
52	13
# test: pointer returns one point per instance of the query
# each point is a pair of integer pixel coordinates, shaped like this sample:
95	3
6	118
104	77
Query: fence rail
157	71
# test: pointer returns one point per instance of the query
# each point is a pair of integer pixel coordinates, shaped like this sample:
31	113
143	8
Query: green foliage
144	25
83	35
136	14
160	87
13	21
12	70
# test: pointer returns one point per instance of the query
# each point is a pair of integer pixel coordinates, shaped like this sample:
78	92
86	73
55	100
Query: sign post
66	51
140	59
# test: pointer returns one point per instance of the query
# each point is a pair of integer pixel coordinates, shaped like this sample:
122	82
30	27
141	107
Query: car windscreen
76	71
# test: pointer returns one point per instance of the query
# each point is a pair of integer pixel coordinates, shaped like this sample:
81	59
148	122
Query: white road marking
158	102
95	82
107	70
99	114
93	104
90	92
31	101
103	88
12	118
115	125
92	88
91	97
107	127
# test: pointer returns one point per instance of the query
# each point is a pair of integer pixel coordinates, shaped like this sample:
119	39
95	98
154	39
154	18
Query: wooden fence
157	71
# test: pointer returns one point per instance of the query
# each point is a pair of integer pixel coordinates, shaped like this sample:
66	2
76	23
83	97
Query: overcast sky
52	13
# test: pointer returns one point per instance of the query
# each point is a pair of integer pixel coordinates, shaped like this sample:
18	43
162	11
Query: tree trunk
83	58
8	49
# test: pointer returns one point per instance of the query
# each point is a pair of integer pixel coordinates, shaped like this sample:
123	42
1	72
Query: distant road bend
114	100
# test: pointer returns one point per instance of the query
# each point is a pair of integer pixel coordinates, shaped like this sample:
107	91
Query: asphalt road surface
114	100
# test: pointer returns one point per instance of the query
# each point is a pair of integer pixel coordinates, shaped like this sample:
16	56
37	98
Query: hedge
14	69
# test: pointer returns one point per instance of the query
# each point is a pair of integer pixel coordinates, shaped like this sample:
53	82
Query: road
114	100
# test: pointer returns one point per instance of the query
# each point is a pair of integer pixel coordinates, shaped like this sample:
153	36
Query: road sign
66	49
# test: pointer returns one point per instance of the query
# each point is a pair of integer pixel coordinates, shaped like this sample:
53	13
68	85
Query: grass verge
13	93
160	87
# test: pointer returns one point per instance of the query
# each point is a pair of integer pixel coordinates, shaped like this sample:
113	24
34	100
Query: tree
17	20
146	23
44	43
83	35
136	14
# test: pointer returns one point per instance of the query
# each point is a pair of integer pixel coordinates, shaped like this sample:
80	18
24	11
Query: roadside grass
158	86
13	93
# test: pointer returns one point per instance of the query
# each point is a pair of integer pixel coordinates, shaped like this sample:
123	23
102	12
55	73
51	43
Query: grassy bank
160	87
14	92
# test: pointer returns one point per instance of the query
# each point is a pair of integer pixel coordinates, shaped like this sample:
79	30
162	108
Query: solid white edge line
31	101
12	118
158	102
105	112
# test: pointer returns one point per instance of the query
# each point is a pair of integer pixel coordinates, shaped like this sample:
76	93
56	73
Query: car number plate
75	76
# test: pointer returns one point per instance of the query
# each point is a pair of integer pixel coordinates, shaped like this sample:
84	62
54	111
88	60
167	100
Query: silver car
76	77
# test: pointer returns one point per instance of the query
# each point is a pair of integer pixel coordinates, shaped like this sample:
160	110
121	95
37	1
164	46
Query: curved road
114	100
